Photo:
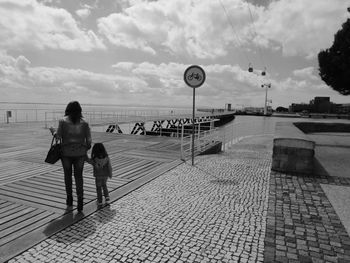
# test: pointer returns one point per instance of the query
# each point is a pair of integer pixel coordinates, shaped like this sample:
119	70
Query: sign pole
193	128
194	77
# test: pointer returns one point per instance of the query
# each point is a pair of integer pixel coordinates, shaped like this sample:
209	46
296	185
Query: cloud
209	29
22	63
196	28
149	84
306	73
301	27
83	13
29	24
165	82
145	82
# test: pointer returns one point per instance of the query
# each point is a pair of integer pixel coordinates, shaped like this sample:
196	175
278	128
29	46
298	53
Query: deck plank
34	216
32	192
30	225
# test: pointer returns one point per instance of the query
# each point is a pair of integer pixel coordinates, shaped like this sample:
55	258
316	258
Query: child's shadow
67	229
105	214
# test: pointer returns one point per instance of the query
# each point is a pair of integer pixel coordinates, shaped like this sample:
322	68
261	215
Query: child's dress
102	171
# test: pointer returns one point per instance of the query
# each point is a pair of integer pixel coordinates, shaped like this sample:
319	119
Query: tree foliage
334	62
281	109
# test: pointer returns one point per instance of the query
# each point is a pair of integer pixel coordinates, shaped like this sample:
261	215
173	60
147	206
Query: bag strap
57	141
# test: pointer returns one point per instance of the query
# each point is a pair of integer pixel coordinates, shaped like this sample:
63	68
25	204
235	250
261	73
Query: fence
203	140
51	116
22	115
96	118
227	135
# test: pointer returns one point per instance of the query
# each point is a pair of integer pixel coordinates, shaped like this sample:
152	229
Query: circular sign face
194	76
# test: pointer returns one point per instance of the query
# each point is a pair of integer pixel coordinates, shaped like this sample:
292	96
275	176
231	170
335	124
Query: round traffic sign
194	76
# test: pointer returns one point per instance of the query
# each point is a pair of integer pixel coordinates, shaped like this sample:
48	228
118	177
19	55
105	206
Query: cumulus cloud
209	29
83	13
196	28
147	83
22	63
132	82
301	27
306	73
165	80
27	23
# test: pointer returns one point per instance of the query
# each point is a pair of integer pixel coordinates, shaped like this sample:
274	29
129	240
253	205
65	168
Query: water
39	112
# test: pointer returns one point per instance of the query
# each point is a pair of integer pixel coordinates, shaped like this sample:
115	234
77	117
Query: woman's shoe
80	205
69	201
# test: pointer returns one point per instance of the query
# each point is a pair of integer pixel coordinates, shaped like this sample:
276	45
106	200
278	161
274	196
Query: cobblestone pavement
213	212
302	225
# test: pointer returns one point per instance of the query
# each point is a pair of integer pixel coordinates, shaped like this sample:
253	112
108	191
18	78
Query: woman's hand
52	130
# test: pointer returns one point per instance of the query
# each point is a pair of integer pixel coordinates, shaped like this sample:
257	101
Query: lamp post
266	86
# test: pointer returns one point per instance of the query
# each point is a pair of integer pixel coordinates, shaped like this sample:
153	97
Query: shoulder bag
54	153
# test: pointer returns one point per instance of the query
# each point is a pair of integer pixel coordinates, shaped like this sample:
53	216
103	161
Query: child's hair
98	150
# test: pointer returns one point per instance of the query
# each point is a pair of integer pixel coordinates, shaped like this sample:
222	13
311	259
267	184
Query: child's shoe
107	200
99	205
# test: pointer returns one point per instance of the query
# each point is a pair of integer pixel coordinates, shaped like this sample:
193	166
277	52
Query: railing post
199	134
45	120
233	134
224	138
182	141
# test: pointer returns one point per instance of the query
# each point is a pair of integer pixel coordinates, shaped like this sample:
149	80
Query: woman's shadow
66	228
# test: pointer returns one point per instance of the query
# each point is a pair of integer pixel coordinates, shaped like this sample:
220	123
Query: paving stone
230	207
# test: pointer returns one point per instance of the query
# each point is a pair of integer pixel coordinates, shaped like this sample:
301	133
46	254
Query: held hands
88	160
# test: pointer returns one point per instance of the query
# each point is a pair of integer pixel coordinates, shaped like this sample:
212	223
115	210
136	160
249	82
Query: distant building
299	107
343	108
320	105
228	107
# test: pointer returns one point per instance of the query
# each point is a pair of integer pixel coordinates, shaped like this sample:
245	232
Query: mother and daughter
75	137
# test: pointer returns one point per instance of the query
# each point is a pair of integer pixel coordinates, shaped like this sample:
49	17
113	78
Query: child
102	170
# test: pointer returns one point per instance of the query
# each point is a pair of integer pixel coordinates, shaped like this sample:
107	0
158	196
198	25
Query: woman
76	141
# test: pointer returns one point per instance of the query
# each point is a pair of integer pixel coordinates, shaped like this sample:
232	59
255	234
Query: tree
334	62
281	109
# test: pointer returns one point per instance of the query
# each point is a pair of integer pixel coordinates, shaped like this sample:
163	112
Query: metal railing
234	132
203	140
228	135
96	118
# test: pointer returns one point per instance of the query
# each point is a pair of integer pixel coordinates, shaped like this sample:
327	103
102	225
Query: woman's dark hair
73	111
98	150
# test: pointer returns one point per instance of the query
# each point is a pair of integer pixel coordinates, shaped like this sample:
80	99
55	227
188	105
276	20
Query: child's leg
98	182
105	189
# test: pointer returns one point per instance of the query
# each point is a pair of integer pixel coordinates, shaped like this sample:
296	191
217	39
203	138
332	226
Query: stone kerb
293	151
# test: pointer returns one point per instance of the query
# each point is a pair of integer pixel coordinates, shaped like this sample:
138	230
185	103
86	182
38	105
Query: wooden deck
32	195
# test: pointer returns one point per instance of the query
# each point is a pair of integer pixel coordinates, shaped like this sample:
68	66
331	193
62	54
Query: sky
135	52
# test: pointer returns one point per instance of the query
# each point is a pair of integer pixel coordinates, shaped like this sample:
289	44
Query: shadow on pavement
319	170
72	233
105	214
